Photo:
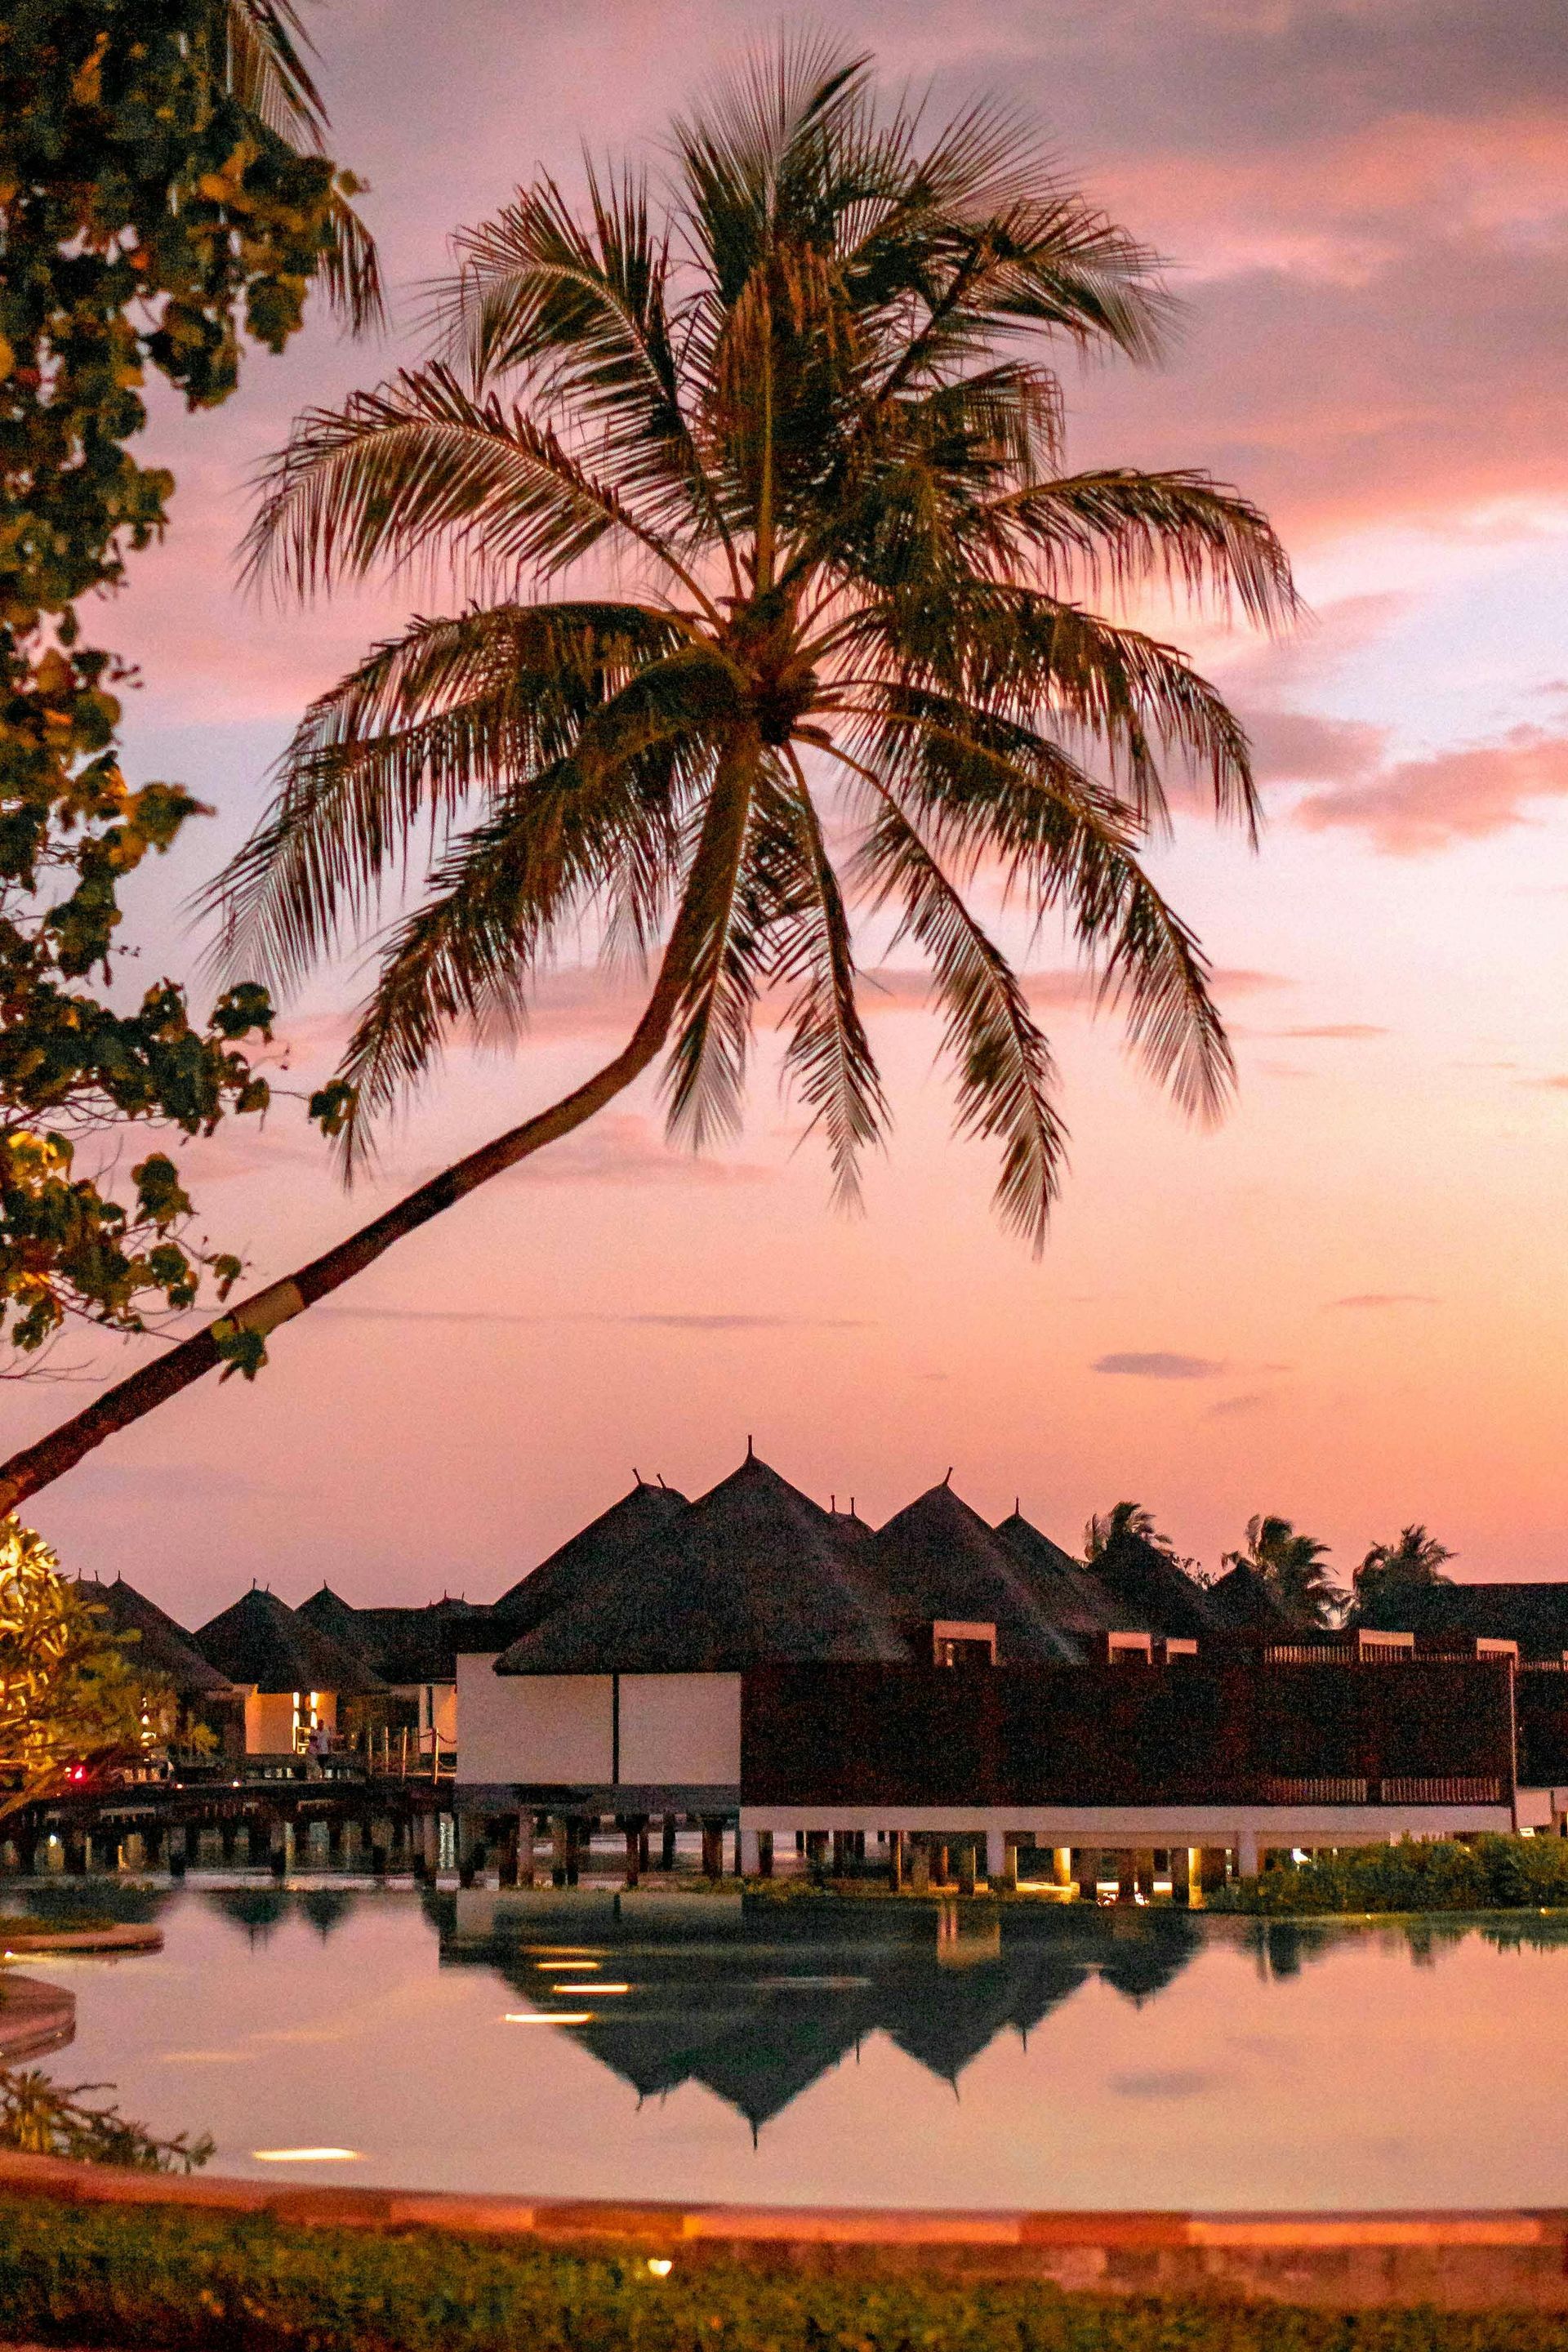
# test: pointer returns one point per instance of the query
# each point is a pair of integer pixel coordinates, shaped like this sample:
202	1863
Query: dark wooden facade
1200	1732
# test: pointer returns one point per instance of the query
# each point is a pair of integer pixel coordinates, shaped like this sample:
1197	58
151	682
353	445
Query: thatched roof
1162	1597
936	1558
331	1614
162	1656
408	1644
273	1648
1071	1595
1242	1602
1533	1615
604	1548
753	1573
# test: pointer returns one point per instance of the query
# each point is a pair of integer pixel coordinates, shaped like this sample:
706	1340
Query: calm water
1048	2058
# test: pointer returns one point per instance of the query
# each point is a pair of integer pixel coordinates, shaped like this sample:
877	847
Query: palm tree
266	65
1292	1566
1392	1574
801	421
1102	1528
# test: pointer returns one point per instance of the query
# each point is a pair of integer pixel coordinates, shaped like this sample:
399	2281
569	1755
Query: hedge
1487	1873
160	2279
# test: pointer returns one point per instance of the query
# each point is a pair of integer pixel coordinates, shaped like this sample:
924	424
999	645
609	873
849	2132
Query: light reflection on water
878	2056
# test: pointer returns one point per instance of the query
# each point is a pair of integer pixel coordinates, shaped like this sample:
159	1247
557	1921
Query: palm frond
418	463
828	1052
502	894
352	270
721	924
1006	1073
454	707
1031	660
1118	529
266	44
579	312
989	791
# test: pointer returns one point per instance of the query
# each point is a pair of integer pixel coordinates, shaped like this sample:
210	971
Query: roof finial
637	1475
751	1449
1017	1506
851	1505
833	1505
947	1476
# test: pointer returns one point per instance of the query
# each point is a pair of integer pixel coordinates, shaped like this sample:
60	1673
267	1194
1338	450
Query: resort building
293	1679
940	1695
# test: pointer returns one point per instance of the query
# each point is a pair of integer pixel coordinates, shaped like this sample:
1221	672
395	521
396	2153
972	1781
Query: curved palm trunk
39	1465
723	834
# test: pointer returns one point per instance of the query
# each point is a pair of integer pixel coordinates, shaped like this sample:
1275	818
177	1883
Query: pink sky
1348	1304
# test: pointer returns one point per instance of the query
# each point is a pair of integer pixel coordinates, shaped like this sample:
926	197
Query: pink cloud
1409	807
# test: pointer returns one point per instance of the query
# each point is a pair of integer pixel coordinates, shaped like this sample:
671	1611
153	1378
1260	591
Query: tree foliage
41	2117
162	199
70	1696
803	413
1392	1575
1103	1528
1293	1568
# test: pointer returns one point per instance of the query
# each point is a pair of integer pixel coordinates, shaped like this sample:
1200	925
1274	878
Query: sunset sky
1347	1305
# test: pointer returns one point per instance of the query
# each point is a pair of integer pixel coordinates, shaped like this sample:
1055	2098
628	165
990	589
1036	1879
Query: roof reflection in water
757	2001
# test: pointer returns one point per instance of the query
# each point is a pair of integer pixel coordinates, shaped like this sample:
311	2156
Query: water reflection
757	2002
969	2055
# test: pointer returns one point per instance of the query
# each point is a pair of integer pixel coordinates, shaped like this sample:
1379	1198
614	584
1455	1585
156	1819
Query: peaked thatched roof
163	1654
1244	1604
1071	1595
936	1558
605	1547
753	1573
1162	1597
265	1643
331	1614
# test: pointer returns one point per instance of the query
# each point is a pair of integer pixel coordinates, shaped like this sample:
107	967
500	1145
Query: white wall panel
530	1727
682	1729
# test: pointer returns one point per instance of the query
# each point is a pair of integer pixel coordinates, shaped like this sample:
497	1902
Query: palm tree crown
1292	1567
1392	1574
800	420
1103	1528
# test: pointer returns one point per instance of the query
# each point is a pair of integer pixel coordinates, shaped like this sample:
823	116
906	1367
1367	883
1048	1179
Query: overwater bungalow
164	1658
414	1652
294	1678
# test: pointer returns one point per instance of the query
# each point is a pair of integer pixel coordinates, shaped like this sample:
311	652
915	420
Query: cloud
894	987
1229	1408
1159	1365
1171	2083
1387	1298
674	1322
627	1149
1409	807
1412	805
1556	1085
1344	1032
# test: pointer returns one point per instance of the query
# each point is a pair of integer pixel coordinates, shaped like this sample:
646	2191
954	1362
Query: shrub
1486	1874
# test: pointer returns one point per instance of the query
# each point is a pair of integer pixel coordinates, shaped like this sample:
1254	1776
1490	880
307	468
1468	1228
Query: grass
29	1923
159	2280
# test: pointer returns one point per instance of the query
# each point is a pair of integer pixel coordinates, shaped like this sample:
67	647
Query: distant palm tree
1392	1571
850	650
1105	1527
1292	1568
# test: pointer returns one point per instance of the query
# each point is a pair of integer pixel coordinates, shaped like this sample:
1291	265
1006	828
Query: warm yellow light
567	1964
548	2017
598	1989
661	2265
305	2155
